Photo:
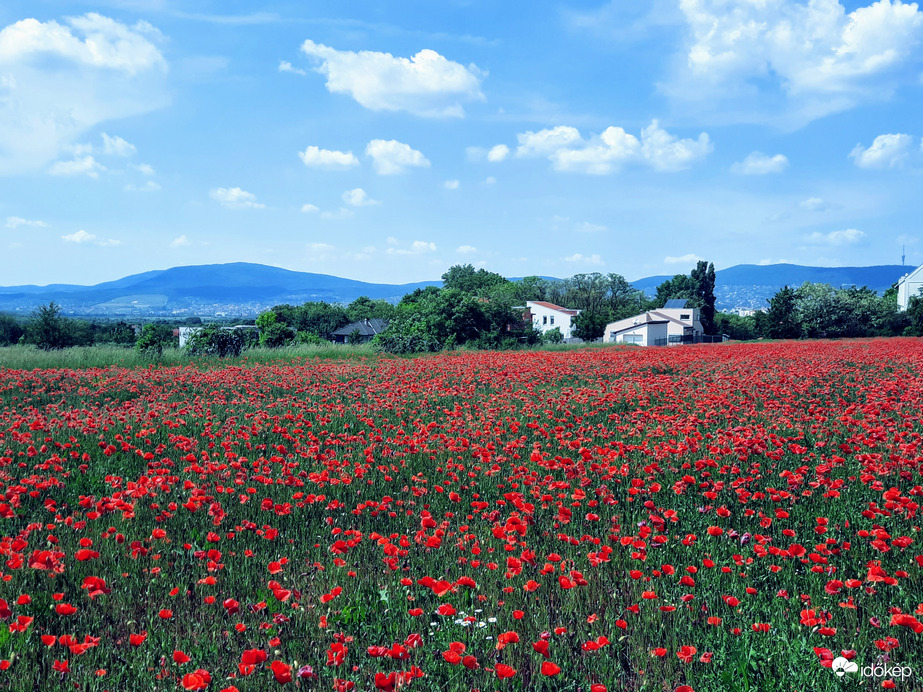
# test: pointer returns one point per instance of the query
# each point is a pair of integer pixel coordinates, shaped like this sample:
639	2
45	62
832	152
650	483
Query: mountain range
245	289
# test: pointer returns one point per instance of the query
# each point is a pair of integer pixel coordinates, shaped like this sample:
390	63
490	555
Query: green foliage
915	316
590	325
309	339
154	338
364	308
698	289
214	340
553	336
465	278
10	330
273	333
318	317
780	321
49	330
736	327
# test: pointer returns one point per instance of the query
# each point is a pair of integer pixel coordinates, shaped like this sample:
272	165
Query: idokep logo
841	666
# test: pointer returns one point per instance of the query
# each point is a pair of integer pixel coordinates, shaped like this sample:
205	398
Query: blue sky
389	141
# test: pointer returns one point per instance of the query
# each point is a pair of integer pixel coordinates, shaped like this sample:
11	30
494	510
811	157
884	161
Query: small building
673	324
547	316
363	329
909	286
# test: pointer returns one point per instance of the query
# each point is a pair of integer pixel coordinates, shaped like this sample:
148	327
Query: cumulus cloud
451	184
577	258
758	163
887	151
328	158
116	146
358	198
613	149
418	247
17	221
149	186
390	156
84	165
59	80
235	198
80	236
822	59
286	66
466	249
309	208
144	168
850	236
426	85
683	259
498	153
812	204
180	241
587	227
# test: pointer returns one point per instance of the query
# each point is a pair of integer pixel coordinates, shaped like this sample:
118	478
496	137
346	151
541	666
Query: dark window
552	319
684	316
544	319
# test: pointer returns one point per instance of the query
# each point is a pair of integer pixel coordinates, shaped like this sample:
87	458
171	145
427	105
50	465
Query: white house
908	287
547	316
670	325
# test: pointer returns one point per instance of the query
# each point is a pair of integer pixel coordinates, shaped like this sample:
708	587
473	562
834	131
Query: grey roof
675	304
364	327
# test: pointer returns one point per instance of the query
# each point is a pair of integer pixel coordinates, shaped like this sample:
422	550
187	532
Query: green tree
49	330
213	340
10	330
590	326
154	338
273	333
915	316
703	278
364	308
781	320
465	278
736	327
553	336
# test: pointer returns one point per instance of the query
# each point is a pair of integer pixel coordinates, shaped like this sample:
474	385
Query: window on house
552	319
632	338
684	316
544	319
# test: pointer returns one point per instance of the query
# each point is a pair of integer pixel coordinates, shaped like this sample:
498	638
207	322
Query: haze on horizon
386	143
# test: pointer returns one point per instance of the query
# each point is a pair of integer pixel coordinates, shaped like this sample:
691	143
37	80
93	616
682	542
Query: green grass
83	357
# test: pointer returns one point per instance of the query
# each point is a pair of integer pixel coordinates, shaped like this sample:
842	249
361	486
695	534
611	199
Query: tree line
477	308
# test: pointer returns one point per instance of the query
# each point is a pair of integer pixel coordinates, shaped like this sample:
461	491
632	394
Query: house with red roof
547	316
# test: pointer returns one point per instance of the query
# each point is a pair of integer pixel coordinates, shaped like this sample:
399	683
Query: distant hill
243	288
239	288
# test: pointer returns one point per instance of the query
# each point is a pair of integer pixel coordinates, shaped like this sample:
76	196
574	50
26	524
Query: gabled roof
631	327
552	306
667	317
916	274
364	327
675	304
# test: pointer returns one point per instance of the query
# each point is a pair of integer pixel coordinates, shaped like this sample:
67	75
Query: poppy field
727	517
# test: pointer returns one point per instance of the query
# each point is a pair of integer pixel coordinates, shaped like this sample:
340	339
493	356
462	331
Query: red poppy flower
550	669
504	671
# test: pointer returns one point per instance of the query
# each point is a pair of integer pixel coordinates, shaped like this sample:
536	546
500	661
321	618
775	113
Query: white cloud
144	169
887	151
286	66
547	142
577	258
813	204
822	59
758	163
341	213
320	247
466	249
235	198
149	186
498	153
180	241
683	259
451	184
17	221
59	80
327	158
391	157
309	208
587	227
427	84
613	149
358	198
418	247
490	180
80	236
116	146
85	165
850	236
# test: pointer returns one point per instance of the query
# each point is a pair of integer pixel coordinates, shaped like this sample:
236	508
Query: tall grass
80	357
